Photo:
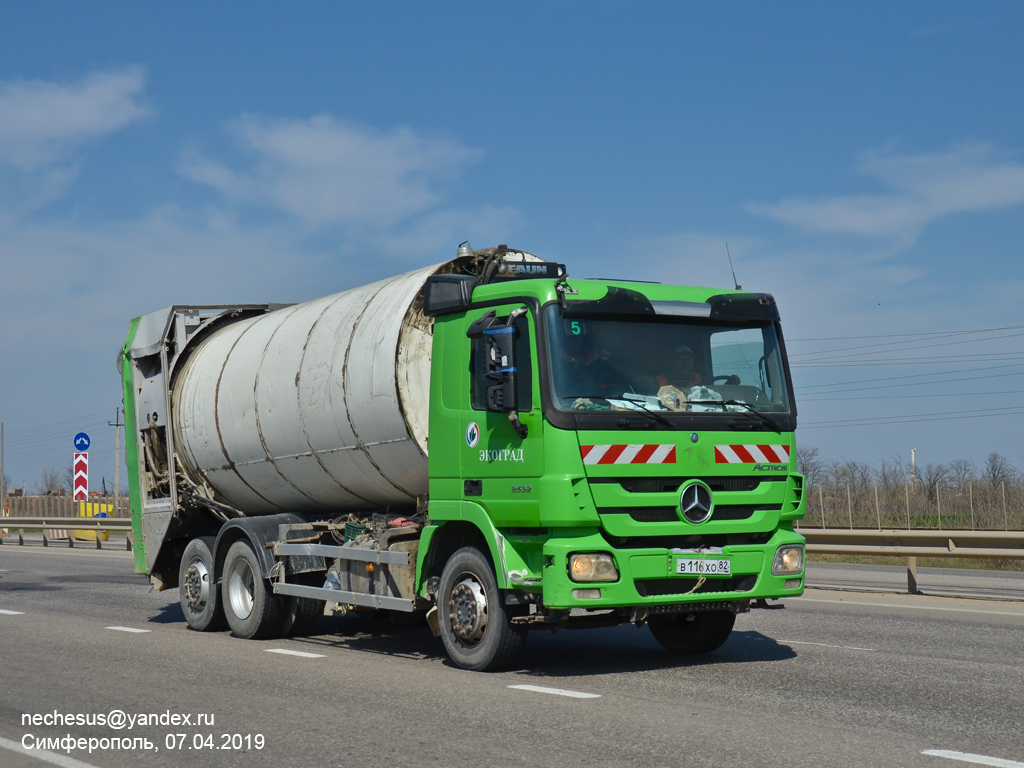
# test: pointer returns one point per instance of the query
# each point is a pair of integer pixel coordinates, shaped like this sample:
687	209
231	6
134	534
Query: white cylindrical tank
318	407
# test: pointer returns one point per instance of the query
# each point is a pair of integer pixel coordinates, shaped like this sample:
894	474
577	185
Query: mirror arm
520	428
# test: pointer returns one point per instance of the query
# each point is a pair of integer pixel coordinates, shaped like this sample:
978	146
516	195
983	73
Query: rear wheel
250	606
198	592
700	632
474	621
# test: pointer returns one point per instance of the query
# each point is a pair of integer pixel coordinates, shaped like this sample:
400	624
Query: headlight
788	560
595	567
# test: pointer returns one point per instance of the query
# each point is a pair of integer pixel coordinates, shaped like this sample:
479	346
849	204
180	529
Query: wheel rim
467	609
241	589
197	585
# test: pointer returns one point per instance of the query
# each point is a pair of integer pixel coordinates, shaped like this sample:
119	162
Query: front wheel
700	632
475	623
253	611
198	592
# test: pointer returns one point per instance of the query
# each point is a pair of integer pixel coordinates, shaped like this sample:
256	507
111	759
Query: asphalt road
855	674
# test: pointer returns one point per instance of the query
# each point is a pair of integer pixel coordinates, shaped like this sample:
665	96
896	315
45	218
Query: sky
863	162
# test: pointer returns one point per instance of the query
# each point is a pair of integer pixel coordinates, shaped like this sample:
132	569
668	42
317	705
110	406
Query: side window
524	371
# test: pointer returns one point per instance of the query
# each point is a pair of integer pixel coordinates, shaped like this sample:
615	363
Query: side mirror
444	294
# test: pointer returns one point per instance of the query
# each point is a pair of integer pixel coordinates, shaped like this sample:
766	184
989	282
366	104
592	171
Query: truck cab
641	466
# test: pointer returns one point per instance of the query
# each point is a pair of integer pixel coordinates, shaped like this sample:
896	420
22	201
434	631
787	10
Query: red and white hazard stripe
81	480
751	454
628	454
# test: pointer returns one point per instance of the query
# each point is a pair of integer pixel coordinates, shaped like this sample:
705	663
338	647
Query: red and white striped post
81	483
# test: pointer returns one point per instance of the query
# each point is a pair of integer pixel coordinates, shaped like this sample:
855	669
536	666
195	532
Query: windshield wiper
654	415
749	409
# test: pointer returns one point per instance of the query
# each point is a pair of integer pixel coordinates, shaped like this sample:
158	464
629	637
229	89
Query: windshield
665	364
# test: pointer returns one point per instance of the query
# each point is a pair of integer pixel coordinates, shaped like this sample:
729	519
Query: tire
475	623
252	610
198	590
301	616
686	633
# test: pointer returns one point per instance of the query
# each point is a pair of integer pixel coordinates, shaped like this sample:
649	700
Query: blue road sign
82	442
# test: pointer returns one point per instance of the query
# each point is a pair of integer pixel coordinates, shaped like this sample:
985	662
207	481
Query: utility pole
913	468
117	455
3	488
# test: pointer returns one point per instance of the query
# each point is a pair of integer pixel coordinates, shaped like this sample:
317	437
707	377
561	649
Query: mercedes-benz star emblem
696	503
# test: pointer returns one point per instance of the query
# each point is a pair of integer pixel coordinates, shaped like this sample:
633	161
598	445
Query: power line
866	421
55	424
921	334
821	397
916	376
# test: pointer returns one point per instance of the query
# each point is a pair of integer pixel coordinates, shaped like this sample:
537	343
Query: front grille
650	484
742	483
661	587
666	542
671	514
646	514
740	511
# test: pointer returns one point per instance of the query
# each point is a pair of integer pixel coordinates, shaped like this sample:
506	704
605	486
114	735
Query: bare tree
962	472
808	462
998	470
893	473
53	482
850	473
933	476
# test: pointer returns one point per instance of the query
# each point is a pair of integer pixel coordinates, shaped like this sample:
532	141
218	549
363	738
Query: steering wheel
729	379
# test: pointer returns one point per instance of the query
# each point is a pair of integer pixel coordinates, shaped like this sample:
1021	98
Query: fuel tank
318	407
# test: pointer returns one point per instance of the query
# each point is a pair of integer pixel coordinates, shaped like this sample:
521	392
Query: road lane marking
967	757
129	629
907	605
557	691
12	613
54	758
301	654
826	645
807	642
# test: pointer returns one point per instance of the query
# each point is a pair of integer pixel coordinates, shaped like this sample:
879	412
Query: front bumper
647	577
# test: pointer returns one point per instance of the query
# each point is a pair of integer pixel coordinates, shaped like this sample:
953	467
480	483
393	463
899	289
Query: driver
681	373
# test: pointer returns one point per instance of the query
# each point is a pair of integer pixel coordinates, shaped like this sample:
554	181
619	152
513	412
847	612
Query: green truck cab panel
517	554
132	449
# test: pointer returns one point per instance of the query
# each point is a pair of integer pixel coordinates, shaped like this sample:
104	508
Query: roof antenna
734	281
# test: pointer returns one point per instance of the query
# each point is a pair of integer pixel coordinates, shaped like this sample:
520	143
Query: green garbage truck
487	443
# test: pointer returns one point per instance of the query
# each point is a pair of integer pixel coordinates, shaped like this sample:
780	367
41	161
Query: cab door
500	469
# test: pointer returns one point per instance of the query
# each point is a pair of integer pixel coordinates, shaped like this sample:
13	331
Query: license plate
695	566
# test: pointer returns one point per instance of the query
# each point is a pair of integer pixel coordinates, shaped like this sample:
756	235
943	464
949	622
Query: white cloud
441	232
328	171
76	281
920	189
42	122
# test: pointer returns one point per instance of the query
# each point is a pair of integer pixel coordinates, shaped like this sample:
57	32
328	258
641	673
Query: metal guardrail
64	528
870	542
914	543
